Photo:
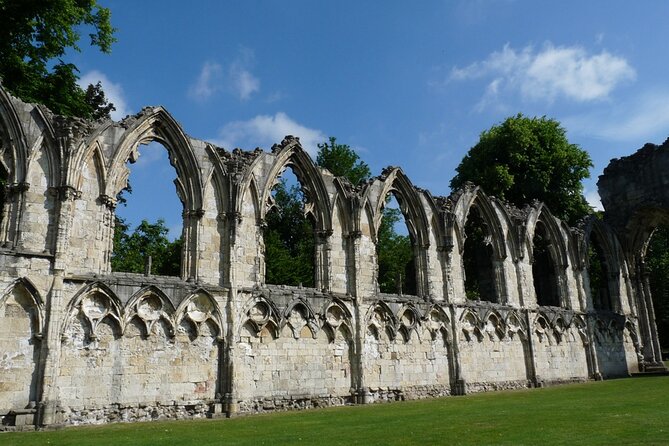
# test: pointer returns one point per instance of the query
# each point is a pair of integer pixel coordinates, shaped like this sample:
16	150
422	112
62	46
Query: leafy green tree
395	256
131	251
35	36
523	159
342	161
289	239
289	236
96	99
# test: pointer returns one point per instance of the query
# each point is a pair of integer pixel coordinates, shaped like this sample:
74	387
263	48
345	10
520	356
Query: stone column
595	372
531	361
651	343
458	384
322	260
14	207
107	225
500	280
227	384
422	271
357	367
189	258
55	312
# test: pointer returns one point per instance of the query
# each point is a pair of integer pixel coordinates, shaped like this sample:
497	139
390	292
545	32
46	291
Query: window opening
289	236
544	272
147	232
477	259
395	251
598	272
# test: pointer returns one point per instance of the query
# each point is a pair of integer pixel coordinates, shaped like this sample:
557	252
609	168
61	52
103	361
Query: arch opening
544	268
395	251
477	259
289	235
148	219
598	271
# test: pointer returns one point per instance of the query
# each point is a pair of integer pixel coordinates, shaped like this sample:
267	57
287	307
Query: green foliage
523	159
657	260
148	239
477	260
289	236
395	256
96	99
619	411
598	274
35	36
342	161
289	240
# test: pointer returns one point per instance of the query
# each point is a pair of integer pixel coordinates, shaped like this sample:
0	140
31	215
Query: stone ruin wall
82	344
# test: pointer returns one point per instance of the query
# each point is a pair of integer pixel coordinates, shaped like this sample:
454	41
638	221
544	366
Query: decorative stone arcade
82	344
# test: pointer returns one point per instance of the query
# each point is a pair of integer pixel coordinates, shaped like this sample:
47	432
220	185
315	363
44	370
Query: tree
131	251
395	256
35	36
523	159
95	98
289	239
342	161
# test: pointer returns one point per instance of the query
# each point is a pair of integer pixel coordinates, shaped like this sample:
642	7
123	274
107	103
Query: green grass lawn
616	412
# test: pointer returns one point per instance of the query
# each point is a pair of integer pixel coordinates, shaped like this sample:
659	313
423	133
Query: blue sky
411	84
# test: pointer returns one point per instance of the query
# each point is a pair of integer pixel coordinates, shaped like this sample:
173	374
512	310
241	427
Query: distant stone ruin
82	344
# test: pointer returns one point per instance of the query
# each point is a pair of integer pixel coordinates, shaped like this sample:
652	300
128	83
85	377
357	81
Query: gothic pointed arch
260	315
473	196
151	306
549	257
200	308
156	124
603	259
381	318
395	181
14	136
291	154
95	303
34	303
482	243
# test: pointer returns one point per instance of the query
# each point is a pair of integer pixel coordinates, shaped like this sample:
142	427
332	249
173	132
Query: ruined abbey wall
82	344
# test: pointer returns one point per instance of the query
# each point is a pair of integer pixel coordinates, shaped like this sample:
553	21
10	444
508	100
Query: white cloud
549	73
208	82
236	79
113	92
265	130
593	199
242	82
646	117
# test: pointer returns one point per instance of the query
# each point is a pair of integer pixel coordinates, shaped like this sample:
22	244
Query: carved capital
109	202
322	235
193	213
68	193
14	189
